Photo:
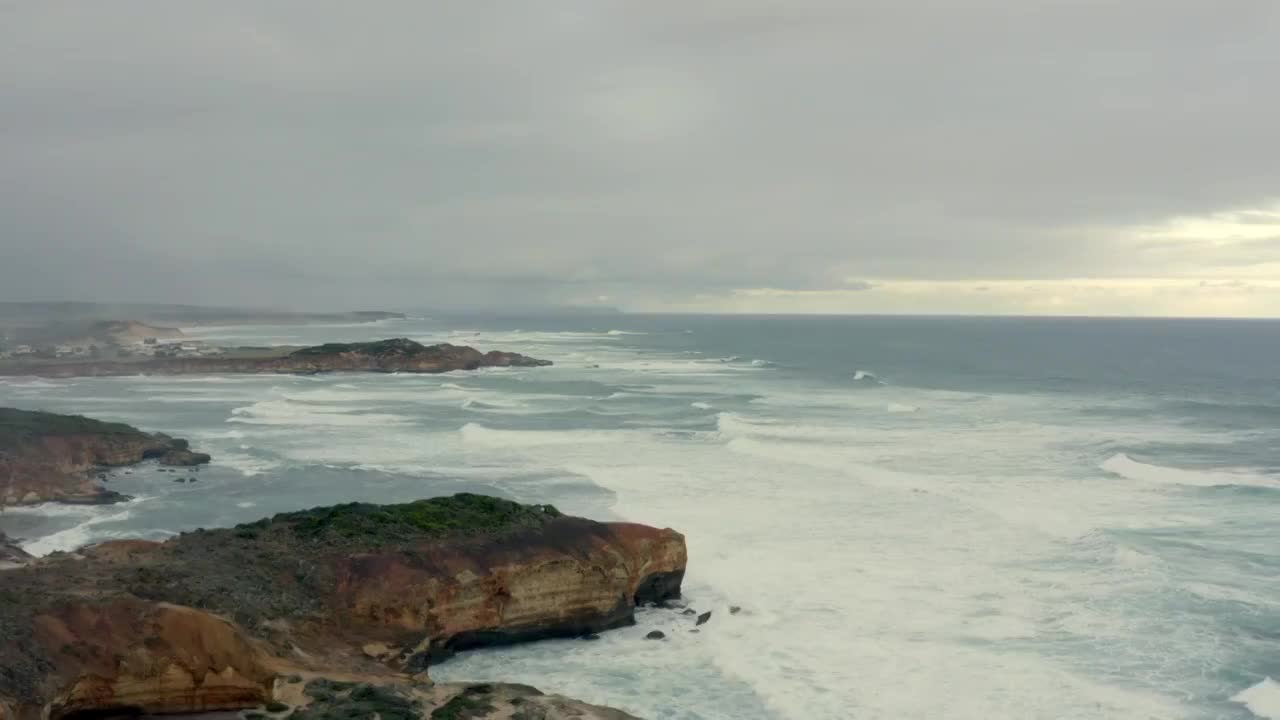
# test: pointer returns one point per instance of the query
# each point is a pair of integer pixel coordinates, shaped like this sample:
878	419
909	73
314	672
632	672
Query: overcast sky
989	156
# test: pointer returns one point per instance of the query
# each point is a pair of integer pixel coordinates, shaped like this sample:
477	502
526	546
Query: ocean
919	517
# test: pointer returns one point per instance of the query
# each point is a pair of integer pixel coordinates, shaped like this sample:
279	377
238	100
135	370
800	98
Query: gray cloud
474	153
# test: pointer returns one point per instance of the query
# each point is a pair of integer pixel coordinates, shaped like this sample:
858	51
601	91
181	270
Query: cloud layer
798	156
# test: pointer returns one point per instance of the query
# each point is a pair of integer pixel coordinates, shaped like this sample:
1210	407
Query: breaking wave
1262	699
77	536
286	412
867	378
1126	467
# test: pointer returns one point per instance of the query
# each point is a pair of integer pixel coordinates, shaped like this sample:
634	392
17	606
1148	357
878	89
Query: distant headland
153	358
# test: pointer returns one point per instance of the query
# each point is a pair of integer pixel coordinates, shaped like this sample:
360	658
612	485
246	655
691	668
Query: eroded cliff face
214	619
438	599
47	457
134	655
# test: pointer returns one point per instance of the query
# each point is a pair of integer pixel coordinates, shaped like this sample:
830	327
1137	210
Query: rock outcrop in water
48	457
324	699
220	619
386	356
11	555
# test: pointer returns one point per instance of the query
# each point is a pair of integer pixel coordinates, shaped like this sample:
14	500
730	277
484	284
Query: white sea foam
495	403
245	464
1262	699
904	567
75	537
904	571
680	367
285	412
35	383
54	510
733	425
477	434
192	398
901	408
1126	467
201	379
1133	559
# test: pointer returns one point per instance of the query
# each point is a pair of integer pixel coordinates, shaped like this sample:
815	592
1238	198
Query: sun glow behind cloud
1224	264
743	155
1219	228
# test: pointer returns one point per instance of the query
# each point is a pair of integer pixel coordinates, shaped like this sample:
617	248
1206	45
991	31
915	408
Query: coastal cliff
261	613
386	356
48	457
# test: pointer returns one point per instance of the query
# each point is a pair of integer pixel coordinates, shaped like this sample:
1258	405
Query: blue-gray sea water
920	517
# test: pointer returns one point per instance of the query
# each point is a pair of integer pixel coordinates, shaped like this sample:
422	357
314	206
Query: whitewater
919	517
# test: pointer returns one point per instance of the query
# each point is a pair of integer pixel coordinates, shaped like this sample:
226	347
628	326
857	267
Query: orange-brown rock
132	654
584	576
208	619
48	457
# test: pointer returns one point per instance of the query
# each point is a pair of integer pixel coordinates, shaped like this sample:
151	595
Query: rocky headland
385	356
46	457
332	612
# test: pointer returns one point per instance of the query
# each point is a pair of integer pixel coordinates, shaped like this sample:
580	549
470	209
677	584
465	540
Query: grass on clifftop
397	346
21	426
461	514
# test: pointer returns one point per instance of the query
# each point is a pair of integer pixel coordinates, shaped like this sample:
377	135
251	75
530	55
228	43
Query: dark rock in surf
704	618
656	635
184	458
11	555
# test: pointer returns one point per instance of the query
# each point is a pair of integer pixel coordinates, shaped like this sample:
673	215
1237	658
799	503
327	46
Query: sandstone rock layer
213	619
47	457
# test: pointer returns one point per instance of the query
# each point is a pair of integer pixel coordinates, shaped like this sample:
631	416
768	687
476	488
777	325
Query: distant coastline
387	356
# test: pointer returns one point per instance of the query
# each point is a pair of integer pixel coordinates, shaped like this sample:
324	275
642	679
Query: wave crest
1262	699
1126	467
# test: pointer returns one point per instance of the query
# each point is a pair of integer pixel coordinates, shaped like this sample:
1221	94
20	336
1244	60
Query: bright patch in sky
1220	227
